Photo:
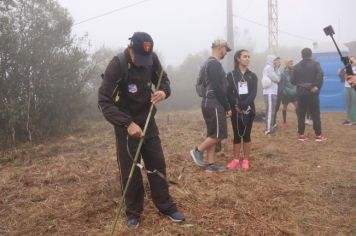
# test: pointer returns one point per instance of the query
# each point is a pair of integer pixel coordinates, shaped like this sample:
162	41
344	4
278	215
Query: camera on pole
329	31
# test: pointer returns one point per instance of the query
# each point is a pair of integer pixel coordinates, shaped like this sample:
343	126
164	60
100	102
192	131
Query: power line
111	12
281	31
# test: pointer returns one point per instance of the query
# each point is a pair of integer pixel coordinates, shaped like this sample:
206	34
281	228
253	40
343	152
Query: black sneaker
346	122
215	168
133	223
197	157
176	217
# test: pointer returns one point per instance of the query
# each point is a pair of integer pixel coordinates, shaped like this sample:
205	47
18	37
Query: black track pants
152	155
309	103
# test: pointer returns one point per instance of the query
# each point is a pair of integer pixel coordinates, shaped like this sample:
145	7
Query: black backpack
124	74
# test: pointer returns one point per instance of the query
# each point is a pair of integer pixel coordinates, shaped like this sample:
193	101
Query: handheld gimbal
329	31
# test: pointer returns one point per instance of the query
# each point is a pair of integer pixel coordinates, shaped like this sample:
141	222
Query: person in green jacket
289	92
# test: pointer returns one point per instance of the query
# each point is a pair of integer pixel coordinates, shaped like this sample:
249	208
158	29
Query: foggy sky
189	26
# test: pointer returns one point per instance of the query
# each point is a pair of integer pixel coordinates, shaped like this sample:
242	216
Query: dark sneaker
346	122
133	223
176	216
215	168
197	157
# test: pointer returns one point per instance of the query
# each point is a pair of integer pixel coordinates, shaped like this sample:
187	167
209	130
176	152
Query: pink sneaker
233	164
320	138
302	137
245	165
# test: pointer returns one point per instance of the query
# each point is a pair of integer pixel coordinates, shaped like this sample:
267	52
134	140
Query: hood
270	59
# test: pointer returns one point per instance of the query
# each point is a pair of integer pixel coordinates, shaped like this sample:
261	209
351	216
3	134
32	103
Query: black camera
328	30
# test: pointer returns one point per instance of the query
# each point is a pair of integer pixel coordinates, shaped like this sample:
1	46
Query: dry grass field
70	185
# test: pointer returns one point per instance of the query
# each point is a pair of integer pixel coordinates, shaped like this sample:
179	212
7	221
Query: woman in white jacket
270	79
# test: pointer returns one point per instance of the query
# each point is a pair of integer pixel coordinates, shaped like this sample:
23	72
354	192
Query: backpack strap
124	69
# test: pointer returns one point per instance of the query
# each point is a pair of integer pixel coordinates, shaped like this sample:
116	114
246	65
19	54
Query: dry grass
70	185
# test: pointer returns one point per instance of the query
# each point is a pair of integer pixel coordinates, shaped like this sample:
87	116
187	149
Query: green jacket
288	88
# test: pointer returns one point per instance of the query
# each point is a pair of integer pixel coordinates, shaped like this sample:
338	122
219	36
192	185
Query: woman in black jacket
242	90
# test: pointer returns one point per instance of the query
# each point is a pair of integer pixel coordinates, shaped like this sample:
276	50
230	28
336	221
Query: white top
275	78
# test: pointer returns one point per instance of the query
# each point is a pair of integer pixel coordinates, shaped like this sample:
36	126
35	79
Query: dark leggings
242	126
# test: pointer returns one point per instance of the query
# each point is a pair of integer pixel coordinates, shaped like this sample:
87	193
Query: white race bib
243	89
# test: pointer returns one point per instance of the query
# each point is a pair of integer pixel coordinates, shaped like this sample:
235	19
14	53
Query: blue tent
332	92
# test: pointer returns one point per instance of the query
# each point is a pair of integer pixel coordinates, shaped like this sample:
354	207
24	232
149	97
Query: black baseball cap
142	45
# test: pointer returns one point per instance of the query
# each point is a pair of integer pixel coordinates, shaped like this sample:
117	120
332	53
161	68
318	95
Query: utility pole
230	36
273	26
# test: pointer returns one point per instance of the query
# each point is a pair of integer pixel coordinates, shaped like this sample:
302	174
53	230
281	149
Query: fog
182	27
50	63
183	32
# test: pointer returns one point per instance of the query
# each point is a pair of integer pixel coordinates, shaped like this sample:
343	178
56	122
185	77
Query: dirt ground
70	185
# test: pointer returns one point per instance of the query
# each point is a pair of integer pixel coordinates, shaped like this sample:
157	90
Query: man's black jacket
135	91
307	74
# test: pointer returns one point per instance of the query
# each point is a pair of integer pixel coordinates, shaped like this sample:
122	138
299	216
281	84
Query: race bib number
243	89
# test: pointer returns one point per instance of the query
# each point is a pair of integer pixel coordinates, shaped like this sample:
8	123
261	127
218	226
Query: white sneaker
308	122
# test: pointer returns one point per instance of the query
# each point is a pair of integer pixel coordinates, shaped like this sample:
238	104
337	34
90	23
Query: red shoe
233	164
302	137
320	138
285	125
245	164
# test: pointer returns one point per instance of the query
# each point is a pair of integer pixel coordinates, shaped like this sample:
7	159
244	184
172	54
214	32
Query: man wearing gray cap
215	106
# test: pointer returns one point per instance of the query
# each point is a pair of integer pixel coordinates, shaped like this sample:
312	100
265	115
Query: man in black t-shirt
215	107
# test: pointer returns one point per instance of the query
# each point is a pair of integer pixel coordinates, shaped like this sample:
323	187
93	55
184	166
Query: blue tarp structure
332	92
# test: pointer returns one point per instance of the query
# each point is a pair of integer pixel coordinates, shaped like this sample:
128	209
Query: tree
98	61
41	75
183	80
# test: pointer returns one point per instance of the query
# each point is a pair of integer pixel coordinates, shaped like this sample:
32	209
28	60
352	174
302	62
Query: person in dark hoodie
215	107
242	90
308	77
128	115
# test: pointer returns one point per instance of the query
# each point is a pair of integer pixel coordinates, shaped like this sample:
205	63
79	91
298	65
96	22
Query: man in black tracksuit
128	114
308	77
